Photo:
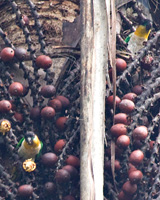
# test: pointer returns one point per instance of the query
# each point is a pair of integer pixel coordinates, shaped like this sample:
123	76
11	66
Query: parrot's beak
29	140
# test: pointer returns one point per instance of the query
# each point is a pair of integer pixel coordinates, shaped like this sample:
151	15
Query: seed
25	190
140	133
120	64
122	118
109	101
16	89
5	106
56	104
131	96
49	159
20	53
123	141
59	146
65	101
135	176
61	123
48	91
73	160
136	157
7	54
43	62
129	188
118	129
62	176
48	112
126	106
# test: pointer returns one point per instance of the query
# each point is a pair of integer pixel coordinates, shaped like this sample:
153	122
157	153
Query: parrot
29	146
136	39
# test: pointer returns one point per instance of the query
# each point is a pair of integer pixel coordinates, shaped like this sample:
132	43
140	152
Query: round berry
120	64
7	54
19	117
56	104
140	133
65	101
49	159
59	146
109	101
135	176
62	176
16	89
123	141
136	157
137	89
129	188
126	106
48	112
5	106
72	171
61	123
25	191
131	96
20	53
48	91
49	188
118	129
43	62
35	113
73	160
122	118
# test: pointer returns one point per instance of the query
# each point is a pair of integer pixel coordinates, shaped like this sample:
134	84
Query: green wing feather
128	38
19	143
38	155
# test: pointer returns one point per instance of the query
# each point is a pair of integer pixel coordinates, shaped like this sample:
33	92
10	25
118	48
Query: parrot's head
31	139
144	29
147	24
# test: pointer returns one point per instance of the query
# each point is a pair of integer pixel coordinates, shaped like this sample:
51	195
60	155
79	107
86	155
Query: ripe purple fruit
109	101
25	191
129	188
122	118
48	112
20	53
140	133
136	157
118	129
131	96
61	123
62	176
43	62
135	176
123	141
48	91
120	64
5	106
49	159
59	146
65	101
126	106
56	104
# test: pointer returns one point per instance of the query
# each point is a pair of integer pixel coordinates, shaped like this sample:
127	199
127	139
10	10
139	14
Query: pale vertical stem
94	59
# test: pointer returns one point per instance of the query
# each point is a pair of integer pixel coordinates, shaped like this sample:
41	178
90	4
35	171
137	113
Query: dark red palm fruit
64	100
35	113
136	157
140	133
25	191
5	106
25	19
122	118
49	188
72	171
107	165
7	54
43	62
137	89
146	62
49	159
118	129
109	101
48	91
48	112
129	188
131	168
59	146
123	196
68	197
73	161
20	53
135	176
131	96
62	176
61	123
19	117
120	65
56	104
123	141
16	89
126	106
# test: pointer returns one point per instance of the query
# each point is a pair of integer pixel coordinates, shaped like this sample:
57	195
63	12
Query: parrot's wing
19	143
38	155
128	38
